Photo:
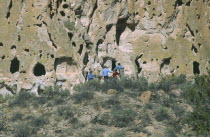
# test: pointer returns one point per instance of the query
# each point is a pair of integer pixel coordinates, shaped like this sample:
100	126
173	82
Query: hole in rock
80	49
70	35
188	3
23	71
62	13
108	27
1	44
113	64
26	50
15	64
62	64
85	60
144	62
200	45
164	66
3	57
139	69
74	44
178	3
149	2
39	70
120	28
13	47
196	69
100	41
194	49
52	56
19	37
65	6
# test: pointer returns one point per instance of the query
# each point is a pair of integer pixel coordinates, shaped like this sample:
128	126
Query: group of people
118	70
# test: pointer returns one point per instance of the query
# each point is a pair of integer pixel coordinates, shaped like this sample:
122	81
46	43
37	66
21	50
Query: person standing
90	76
105	73
120	69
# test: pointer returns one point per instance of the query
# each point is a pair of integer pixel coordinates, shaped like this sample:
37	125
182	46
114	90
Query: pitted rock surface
52	42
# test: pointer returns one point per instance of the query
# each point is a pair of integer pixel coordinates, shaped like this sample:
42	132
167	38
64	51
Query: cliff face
43	42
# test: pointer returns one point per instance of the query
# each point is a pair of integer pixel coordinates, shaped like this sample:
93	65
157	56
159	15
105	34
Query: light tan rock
112	92
69	38
145	97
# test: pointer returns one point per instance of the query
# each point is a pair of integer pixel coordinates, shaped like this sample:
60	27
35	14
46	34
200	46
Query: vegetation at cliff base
176	107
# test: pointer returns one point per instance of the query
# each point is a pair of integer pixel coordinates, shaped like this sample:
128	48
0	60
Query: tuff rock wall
47	42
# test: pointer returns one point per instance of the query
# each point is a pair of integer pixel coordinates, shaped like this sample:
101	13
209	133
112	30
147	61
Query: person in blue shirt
90	76
105	73
118	67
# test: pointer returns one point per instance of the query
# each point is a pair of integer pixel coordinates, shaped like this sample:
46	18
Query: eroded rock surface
47	42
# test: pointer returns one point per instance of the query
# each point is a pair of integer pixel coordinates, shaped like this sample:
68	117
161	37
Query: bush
167	82
122	116
139	84
22	130
3	123
111	102
17	116
198	95
83	96
22	99
161	114
55	92
39	121
93	85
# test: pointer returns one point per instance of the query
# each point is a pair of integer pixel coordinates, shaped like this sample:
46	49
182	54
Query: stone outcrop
47	42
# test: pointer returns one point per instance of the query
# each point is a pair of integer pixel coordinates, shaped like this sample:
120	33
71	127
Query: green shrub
22	99
111	85
167	82
111	102
139	84
121	133
161	114
102	119
39	101
17	116
23	130
56	92
170	132
122	116
83	96
39	121
93	85
198	95
3	122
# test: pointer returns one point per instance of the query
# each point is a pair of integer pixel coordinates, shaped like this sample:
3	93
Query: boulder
145	97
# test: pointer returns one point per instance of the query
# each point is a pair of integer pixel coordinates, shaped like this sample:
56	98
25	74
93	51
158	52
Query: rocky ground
173	107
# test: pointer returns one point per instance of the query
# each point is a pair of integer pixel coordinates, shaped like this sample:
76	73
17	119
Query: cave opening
39	70
113	64
15	65
179	3
1	44
194	49
120	28
196	69
62	13
100	41
80	49
85	59
70	35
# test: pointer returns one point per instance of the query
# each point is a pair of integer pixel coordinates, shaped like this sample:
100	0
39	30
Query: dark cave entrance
39	70
196	69
15	64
